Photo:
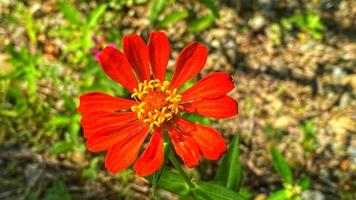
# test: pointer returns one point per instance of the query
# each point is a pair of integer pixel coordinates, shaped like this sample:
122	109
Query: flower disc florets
157	103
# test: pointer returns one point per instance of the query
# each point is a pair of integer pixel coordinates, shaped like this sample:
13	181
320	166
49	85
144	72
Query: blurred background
292	61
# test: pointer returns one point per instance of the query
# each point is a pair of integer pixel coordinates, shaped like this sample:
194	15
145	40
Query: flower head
157	103
120	126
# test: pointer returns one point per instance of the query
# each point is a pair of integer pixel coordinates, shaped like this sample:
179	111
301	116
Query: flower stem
179	168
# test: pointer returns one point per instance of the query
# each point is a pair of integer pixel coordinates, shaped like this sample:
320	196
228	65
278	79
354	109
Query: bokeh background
292	61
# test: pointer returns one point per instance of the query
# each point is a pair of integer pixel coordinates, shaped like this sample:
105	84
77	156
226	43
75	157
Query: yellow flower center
157	103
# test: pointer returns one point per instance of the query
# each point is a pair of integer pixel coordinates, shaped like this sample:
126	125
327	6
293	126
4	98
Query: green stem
157	175
179	168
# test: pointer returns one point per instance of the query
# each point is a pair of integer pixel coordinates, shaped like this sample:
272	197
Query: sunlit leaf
92	170
279	195
61	147
172	18
155	9
59	120
74	130
201	23
63	32
95	15
31	31
70	12
72	46
8	113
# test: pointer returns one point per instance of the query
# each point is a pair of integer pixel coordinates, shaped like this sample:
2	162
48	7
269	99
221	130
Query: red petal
152	158
97	120
136	52
211	86
116	66
185	146
124	153
104	138
189	63
216	108
158	49
209	141
97	101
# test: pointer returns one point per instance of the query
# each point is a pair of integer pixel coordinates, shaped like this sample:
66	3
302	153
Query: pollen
157	103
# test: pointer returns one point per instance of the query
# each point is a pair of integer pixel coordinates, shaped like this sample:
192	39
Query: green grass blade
95	15
229	173
213	191
281	165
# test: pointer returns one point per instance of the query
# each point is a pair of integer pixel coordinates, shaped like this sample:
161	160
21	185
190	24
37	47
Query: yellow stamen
157	103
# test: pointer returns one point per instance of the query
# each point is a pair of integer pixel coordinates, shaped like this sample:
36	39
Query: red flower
121	126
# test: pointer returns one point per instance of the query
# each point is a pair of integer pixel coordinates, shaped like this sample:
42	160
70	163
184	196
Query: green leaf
198	118
246	192
8	113
172	182
211	191
73	131
31	32
281	165
279	195
155	9
287	23
73	46
304	183
157	176
61	147
316	34
187	85
70	12
201	23
299	20
92	170
63	32
58	192
69	103
309	140
212	5
313	21
309	128
95	15
229	173
59	120
172	18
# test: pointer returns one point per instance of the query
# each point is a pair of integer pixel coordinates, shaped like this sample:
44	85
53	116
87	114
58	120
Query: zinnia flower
120	126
